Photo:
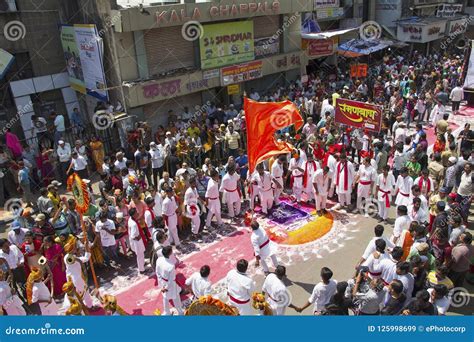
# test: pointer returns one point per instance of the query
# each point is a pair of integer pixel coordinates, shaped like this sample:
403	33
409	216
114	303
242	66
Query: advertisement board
225	44
358	114
266	46
241	73
83	49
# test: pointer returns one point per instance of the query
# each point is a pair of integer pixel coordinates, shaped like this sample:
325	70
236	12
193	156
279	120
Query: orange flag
263	119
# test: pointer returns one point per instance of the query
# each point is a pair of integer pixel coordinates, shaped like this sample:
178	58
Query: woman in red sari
53	252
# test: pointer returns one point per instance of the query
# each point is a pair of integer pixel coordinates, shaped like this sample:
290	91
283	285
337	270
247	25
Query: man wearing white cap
64	155
344	180
365	178
166	274
170	209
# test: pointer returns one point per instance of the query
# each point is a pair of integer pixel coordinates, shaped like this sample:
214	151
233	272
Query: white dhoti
193	213
214	209
363	191
266	199
172	224
233	202
320	200
297	187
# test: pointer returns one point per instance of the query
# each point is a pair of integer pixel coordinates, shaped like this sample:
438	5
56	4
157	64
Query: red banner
358	114
359	70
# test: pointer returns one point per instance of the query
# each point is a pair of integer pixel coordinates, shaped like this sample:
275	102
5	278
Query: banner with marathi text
358	114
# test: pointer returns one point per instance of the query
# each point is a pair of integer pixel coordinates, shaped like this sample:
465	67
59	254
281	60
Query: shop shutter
266	26
167	50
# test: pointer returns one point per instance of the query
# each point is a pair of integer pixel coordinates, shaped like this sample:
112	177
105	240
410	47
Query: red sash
140	231
404	195
305	176
238	301
428	184
385	195
346	176
152	214
264	244
365	182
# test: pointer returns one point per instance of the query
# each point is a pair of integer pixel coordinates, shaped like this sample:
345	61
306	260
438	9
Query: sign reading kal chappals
226	44
358	114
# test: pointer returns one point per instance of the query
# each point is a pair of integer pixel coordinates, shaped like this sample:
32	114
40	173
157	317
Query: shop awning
358	47
326	34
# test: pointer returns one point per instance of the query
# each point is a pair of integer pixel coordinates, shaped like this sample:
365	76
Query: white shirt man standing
344	179
170	209
263	180
321	183
213	200
136	243
278	296
231	188
166	274
277	178
240	288
322	292
385	183
366	178
297	173
191	198
310	167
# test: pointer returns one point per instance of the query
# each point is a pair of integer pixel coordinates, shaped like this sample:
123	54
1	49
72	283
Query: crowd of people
168	186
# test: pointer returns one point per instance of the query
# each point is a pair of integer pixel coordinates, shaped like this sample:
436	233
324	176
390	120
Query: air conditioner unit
8	6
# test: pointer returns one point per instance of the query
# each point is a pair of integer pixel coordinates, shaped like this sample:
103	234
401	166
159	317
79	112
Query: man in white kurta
252	189
310	166
166	274
297	173
416	212
402	222
403	188
263	247
10	302
344	180
366	177
169	215
331	163
240	288
213	200
199	282
74	271
135	239
231	188
191	198
42	296
278	296
277	178
321	183
265	192
385	186
426	184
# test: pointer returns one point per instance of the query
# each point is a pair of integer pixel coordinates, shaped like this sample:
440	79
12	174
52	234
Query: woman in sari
45	165
53	252
97	150
13	144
